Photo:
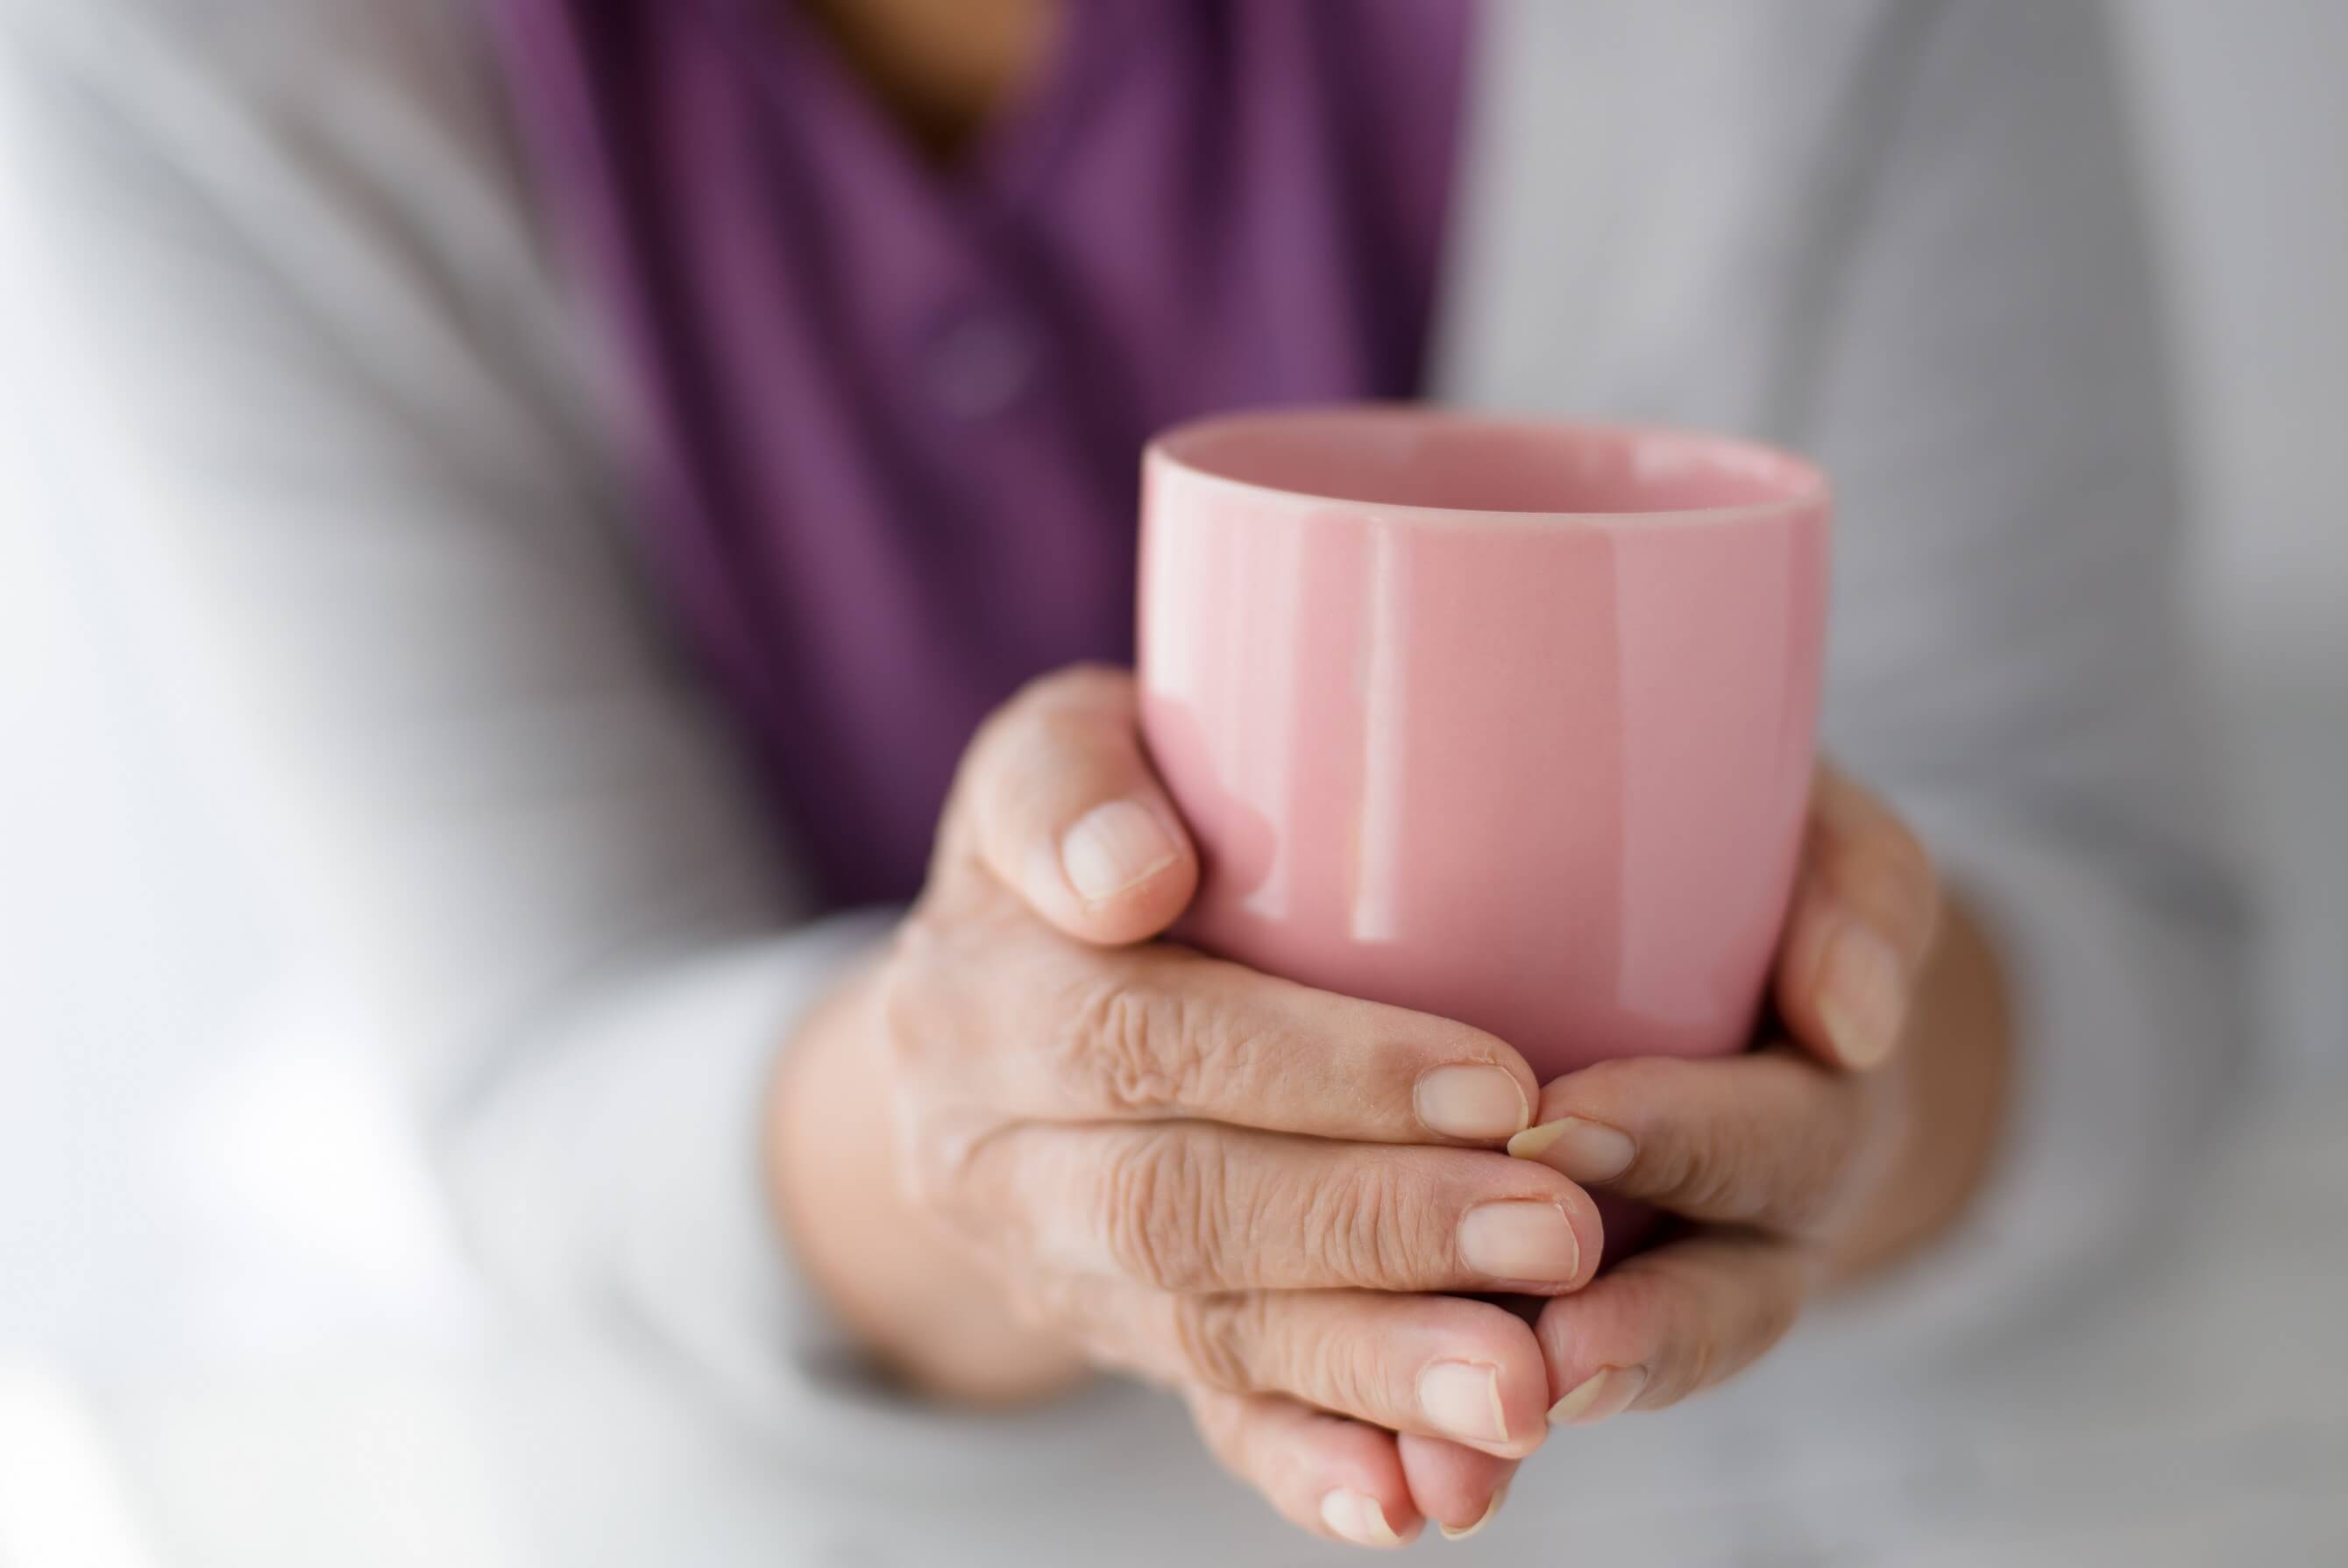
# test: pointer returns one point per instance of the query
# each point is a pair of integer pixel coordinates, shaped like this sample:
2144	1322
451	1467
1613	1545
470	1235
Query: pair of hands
1265	1196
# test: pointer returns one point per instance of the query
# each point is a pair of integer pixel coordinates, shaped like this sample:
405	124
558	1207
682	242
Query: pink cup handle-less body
1507	720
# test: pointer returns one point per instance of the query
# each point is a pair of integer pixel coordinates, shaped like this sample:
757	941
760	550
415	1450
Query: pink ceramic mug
1506	720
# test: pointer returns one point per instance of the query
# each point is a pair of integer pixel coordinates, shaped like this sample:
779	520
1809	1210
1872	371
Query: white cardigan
331	407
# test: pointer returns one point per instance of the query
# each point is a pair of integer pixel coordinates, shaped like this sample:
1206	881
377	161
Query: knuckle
934	1172
1216	1338
1162	1195
928	1181
1127	1048
1813	1199
905	993
1359	1226
956	1169
1820	1182
1061	730
1352	1372
1735	1167
1051	1301
1061	711
1051	718
1700	1170
904	1020
997	736
1848	1156
1712	1181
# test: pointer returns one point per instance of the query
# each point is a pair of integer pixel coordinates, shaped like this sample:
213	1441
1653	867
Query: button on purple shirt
888	415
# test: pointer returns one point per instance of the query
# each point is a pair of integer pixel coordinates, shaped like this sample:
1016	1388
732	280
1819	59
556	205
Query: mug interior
1438	460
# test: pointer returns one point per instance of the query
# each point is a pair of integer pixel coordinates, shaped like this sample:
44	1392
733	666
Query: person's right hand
1245	1189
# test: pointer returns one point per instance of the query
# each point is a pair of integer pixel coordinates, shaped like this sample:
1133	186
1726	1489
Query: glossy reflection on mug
1508	720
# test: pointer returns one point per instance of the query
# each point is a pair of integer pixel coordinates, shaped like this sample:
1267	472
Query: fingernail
1606	1392
1479	1102
1585	1150
1491	1510
1114	847
1519	1241
1356	1516
1864	995
1464	1400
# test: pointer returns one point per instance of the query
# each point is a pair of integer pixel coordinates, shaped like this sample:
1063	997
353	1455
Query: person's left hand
1834	1145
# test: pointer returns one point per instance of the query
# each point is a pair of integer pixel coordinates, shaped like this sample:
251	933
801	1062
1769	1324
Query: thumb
1057	803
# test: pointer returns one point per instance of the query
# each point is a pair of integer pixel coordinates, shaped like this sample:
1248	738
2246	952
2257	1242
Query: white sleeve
2007	658
309	378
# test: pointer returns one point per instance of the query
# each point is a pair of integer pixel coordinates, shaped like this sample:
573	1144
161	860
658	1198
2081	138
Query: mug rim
1807	483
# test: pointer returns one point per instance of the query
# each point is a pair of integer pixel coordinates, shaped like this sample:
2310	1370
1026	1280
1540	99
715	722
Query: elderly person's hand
1856	1132
1104	1150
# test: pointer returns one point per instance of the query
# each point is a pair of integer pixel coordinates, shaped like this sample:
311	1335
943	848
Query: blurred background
201	1189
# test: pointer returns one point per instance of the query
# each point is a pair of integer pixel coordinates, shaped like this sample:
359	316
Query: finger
1460	1488
1862	921
1434	1365
1160	1032
1770	1139
1056	801
1193	1206
1670	1323
1335	1478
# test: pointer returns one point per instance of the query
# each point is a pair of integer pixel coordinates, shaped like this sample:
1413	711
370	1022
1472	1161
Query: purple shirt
888	415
